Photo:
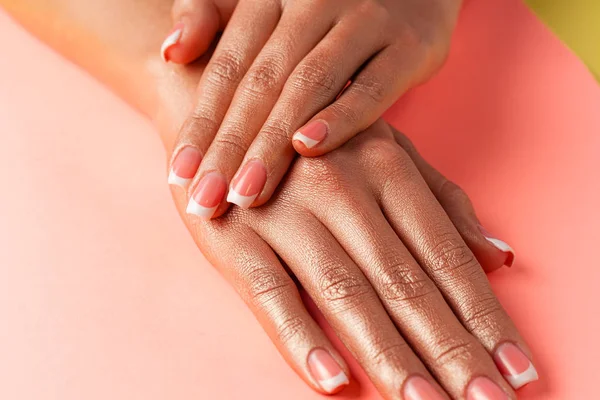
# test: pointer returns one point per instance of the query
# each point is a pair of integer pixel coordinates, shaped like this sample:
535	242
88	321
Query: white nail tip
331	384
239	200
171	40
308	142
517	381
503	246
201	211
179	181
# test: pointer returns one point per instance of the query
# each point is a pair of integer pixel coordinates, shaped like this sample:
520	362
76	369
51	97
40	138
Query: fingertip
304	150
504	250
191	36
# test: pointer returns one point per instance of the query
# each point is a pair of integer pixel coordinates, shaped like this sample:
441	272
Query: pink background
104	296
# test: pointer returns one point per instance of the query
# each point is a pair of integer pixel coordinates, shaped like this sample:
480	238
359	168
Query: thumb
196	23
491	252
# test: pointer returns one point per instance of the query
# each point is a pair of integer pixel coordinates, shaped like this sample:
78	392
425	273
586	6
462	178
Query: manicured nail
326	371
184	166
312	134
516	367
207	196
247	184
500	245
484	389
171	40
419	388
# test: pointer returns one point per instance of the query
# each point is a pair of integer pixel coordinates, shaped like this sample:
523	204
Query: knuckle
232	142
291	329
454	351
409	36
451	256
345	111
264	78
264	285
374	10
403	284
483	314
451	191
277	133
226	68
396	169
375	91
315	78
337	285
393	353
200	122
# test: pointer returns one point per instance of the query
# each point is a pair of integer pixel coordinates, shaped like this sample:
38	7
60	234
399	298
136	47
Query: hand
277	73
402	274
383	263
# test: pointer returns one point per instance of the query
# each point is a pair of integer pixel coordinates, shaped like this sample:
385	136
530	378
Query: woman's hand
278	72
385	246
365	236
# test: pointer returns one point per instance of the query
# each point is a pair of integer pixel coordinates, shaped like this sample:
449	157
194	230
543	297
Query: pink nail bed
312	134
419	388
484	389
500	245
326	371
184	166
208	195
247	184
172	39
515	365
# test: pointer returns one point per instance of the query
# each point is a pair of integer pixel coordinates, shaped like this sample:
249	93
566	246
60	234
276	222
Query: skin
282	64
402	289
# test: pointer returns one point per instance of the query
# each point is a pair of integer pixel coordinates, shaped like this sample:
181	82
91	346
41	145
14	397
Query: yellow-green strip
577	23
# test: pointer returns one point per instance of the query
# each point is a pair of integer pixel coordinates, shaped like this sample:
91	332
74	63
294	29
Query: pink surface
104	296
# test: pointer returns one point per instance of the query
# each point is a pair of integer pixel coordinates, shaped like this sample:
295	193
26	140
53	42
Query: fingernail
312	134
184	166
515	365
207	196
247	184
171	40
484	389
419	388
326	371
500	245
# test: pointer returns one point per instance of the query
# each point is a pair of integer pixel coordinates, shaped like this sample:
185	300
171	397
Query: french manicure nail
171	40
208	195
184	166
247	184
482	388
419	388
516	367
312	134
326	371
500	245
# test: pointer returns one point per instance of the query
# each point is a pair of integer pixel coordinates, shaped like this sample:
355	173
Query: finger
492	253
254	100
375	88
196	23
314	83
351	307
248	30
432	239
260	279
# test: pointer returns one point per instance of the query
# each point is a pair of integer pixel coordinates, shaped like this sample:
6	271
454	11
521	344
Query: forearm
115	40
